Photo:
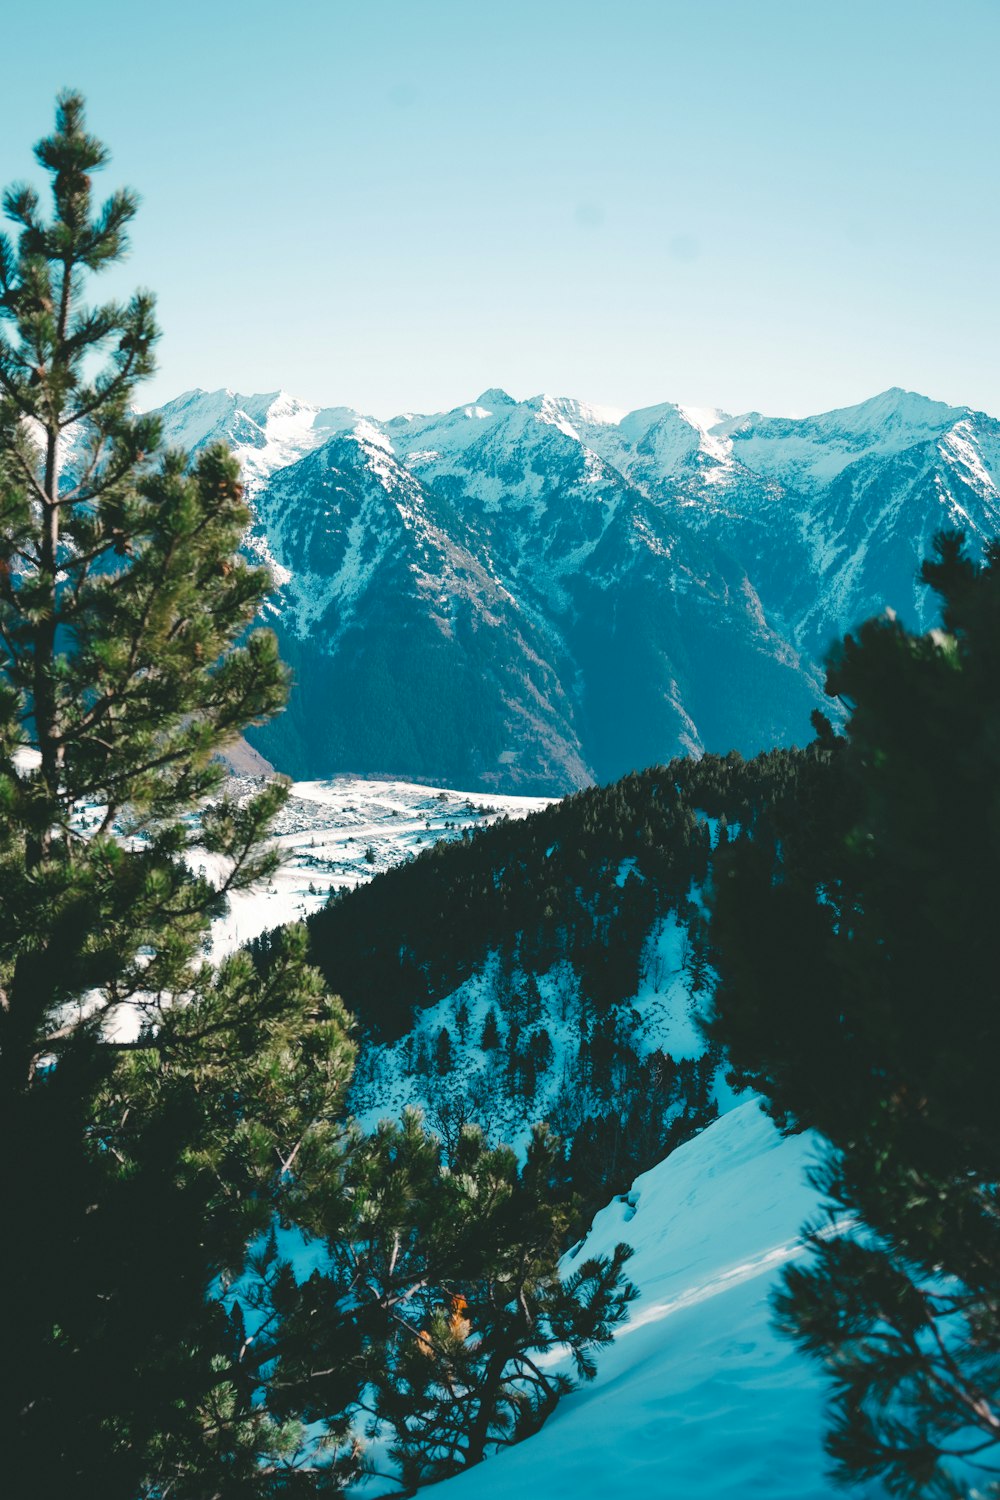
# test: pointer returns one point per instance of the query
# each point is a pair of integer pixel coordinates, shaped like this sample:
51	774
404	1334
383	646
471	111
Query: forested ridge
581	879
572	898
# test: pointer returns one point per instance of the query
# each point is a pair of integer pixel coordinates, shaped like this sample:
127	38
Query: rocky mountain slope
532	595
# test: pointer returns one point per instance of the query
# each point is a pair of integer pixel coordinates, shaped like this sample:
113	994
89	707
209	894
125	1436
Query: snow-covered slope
697	1397
547	1017
529	595
266	432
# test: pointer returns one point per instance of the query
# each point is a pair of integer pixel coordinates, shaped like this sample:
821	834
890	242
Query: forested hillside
554	967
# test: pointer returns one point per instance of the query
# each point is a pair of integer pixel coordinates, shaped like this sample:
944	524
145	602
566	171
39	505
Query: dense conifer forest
583	883
582	879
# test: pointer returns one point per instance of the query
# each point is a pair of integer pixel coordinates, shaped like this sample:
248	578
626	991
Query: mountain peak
571	409
541	592
896	409
495	396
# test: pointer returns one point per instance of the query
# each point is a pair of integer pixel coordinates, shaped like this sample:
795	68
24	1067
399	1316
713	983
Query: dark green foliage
490	1038
149	1104
442	1051
538	889
583	881
663	1104
859	991
441	1296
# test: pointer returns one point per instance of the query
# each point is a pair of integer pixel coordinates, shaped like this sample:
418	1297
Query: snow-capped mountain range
530	595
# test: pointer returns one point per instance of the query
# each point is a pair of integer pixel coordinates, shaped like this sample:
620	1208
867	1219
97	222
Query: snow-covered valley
334	834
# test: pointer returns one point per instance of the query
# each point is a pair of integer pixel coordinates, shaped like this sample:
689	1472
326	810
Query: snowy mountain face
532	595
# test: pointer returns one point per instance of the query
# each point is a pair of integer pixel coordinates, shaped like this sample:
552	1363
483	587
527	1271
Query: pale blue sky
787	206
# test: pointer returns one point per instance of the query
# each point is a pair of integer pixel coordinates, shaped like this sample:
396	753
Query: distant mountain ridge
531	595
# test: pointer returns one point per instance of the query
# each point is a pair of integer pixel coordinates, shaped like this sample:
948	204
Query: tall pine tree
161	1117
150	1105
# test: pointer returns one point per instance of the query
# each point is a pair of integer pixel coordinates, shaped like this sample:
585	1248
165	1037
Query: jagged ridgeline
532	596
552	967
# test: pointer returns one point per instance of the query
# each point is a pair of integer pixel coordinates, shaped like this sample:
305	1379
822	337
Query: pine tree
150	1106
490	1039
443	1295
859	991
443	1058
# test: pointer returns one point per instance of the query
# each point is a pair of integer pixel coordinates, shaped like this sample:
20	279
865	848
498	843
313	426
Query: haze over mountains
529	596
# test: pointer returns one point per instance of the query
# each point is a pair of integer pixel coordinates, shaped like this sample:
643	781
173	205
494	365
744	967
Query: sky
780	205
